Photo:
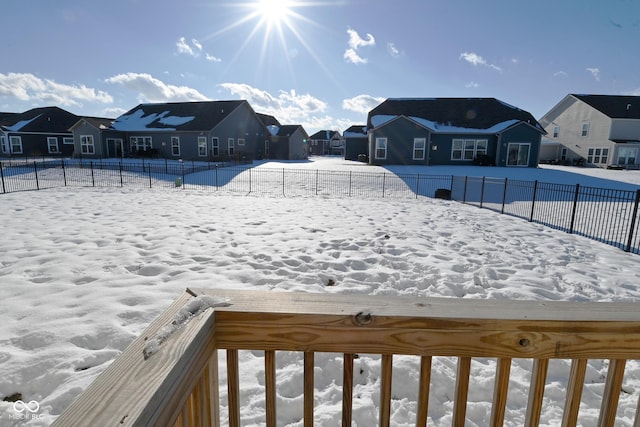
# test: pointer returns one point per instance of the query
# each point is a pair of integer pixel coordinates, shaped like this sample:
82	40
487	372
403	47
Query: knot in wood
524	342
363	319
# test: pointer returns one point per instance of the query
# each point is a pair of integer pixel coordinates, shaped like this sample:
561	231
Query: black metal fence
606	215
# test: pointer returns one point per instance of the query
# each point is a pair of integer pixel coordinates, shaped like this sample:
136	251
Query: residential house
37	132
326	142
356	143
287	142
452	131
598	130
208	130
93	129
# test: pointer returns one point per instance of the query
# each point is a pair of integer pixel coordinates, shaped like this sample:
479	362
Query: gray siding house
598	130
288	142
37	132
326	142
356	143
452	131
208	131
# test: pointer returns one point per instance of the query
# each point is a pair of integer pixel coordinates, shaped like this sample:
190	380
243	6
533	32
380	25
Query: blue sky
320	63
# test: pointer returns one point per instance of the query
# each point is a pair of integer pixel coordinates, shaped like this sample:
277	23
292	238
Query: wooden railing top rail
149	388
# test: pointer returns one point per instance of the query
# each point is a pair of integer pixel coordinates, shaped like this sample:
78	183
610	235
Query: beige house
594	130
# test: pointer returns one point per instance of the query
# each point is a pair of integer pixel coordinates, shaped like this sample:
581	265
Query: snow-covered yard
83	271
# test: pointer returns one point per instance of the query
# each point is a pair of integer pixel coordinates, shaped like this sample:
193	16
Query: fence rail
192	377
606	215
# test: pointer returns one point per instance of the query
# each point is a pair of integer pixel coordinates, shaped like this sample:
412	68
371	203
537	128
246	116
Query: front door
518	154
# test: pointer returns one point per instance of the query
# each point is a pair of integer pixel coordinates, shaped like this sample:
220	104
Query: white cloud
28	87
475	60
355	43
560	74
352	56
472	85
150	89
393	50
212	58
361	103
595	72
288	107
194	49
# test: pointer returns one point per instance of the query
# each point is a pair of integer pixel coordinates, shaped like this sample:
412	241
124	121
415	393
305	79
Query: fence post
417	185
317	181
283	181
64	172
182	172
93	181
384	180
150	175
217	187
349	183
633	222
4	190
166	167
533	199
249	180
504	194
121	180
574	209
482	192
464	193
35	171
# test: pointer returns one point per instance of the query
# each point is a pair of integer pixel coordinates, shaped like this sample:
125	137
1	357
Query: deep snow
83	271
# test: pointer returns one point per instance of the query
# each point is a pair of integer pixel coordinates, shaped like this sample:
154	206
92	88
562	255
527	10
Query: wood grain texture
500	391
574	392
611	393
133	391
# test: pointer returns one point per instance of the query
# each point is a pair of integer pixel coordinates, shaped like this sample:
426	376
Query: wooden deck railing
175	381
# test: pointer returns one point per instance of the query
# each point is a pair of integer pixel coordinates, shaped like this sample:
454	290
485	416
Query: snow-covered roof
460	115
380	120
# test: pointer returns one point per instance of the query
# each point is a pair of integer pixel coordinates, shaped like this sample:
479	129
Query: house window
518	154
52	145
202	146
468	149
86	144
16	144
3	144
481	147
175	145
419	145
140	143
215	147
598	155
381	148
240	142
627	156
563	153
67	140
556	131
232	148
585	129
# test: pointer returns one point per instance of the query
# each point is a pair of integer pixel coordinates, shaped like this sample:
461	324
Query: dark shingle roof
184	116
360	130
471	113
268	120
324	135
614	106
287	130
7	118
43	120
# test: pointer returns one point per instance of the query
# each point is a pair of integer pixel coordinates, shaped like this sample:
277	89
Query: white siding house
595	130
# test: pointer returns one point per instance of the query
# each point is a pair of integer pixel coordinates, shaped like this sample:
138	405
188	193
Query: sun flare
273	11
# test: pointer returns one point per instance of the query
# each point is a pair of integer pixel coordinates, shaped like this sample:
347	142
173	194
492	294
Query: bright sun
273	11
